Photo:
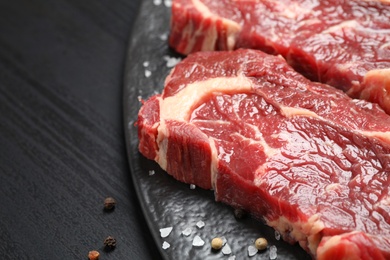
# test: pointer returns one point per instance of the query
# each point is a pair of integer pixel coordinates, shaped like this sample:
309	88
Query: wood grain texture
62	147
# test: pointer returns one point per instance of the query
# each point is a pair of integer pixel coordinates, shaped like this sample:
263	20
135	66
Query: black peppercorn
109	203
93	255
110	243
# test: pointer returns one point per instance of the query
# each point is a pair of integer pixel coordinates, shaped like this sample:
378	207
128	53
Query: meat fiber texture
343	43
303	156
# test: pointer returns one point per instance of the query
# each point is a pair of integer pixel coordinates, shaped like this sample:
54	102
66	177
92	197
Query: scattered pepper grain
261	243
216	243
93	255
110	243
109	203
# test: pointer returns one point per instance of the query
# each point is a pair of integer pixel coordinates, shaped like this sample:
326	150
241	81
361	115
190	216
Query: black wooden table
62	148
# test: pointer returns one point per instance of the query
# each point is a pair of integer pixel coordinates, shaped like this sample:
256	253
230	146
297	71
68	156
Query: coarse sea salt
171	61
273	252
157	2
148	73
165	245
151	172
277	235
226	250
252	250
186	232
200	224
192	186
164	36
233	257
146	63
168	3
197	241
164	232
224	240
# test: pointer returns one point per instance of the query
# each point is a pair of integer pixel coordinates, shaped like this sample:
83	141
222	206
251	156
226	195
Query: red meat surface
303	156
343	43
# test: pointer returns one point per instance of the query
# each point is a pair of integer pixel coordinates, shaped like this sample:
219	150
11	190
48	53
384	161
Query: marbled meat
303	156
343	43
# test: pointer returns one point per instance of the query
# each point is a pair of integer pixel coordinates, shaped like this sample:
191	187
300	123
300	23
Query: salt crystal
151	172
252	250
139	98
171	61
277	235
186	232
273	252
200	224
197	241
192	186
226	250
168	3
233	257
164	37
148	73
223	240
145	63
157	2
165	245
164	232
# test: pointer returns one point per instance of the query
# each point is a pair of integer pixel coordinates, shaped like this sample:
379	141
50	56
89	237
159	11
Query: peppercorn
93	255
261	243
216	243
110	243
109	203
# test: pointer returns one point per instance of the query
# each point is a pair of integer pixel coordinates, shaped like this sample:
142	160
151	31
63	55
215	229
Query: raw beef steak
305	157
344	43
